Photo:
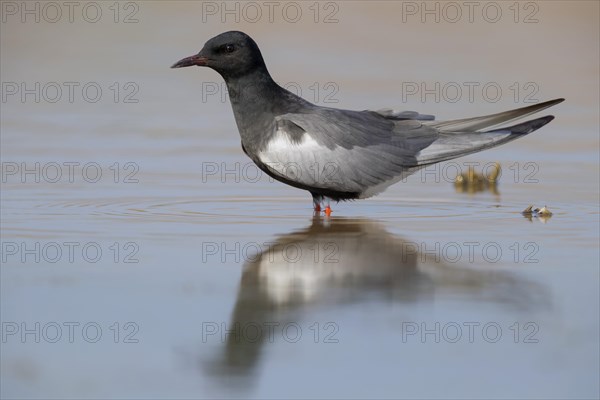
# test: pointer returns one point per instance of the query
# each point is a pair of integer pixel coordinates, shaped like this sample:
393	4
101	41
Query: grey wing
345	151
470	135
402	115
364	152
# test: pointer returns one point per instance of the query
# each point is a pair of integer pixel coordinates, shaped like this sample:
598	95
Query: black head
231	54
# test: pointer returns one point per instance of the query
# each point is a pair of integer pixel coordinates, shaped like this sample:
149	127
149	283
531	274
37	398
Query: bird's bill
191	60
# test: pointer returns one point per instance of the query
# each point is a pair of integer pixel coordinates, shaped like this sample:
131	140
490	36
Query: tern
340	154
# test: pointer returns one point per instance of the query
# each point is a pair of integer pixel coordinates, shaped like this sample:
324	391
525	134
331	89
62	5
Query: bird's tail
466	136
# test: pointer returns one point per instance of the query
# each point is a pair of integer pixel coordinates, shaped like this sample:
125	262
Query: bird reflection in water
338	261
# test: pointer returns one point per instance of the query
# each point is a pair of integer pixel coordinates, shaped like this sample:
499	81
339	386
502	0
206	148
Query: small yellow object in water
544	212
473	182
528	210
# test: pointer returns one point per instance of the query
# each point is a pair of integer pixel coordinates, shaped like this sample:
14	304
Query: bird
338	154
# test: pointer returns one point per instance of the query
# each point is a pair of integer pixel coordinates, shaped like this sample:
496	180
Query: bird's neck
251	90
256	99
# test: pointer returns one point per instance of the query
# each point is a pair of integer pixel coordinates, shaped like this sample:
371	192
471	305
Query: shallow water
147	257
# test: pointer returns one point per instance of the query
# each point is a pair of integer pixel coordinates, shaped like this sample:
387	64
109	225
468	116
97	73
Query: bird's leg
317	200
317	205
328	209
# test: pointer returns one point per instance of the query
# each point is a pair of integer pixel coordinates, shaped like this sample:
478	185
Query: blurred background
143	255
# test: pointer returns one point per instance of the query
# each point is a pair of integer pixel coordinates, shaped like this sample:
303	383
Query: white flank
315	165
281	148
298	161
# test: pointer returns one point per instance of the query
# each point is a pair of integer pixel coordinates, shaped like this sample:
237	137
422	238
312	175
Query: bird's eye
229	48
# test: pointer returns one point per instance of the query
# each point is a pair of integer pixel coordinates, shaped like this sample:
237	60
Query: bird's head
231	54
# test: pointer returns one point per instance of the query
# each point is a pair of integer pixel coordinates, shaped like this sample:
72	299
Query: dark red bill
189	61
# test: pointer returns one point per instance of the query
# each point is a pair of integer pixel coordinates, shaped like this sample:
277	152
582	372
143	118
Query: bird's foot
318	204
